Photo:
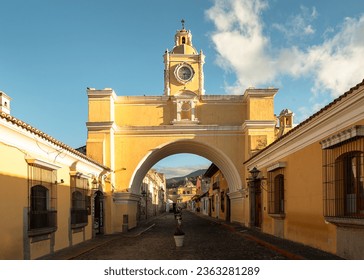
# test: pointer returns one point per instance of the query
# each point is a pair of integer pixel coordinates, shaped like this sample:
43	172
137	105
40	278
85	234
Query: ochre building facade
51	193
310	181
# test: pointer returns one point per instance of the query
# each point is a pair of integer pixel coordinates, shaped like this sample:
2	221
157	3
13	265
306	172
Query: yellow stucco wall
304	221
16	242
255	109
13	185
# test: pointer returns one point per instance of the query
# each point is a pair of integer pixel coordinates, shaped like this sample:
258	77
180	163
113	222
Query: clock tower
183	67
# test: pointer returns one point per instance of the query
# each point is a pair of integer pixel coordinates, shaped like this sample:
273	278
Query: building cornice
100	126
259	93
142	100
217	130
101	93
206	98
223	99
42	163
254	124
354	132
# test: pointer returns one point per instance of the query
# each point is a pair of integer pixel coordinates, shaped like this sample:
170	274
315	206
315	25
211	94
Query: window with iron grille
222	199
213	202
216	184
276	191
79	205
343	178
42	214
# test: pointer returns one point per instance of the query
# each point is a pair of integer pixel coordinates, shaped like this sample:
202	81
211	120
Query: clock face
184	73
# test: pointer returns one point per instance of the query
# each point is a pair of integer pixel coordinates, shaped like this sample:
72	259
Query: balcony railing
42	219
79	216
216	185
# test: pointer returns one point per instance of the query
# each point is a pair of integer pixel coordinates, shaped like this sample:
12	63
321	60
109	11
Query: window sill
277	216
345	222
80	225
41	231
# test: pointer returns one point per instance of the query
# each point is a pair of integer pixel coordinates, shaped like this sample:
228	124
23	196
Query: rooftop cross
183	23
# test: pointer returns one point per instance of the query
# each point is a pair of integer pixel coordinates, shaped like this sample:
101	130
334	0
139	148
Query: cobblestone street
205	238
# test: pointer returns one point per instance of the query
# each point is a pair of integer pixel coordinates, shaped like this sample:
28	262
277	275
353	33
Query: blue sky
52	50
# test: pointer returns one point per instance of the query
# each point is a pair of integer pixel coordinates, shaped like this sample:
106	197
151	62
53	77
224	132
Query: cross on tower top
183	23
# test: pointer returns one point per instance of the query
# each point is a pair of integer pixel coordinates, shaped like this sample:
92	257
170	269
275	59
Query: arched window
38	214
183	40
276	195
279	194
42	202
222	199
79	206
349	187
78	201
39	198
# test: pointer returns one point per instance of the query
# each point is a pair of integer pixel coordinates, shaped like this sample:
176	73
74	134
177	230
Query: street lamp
254	172
254	181
95	184
255	185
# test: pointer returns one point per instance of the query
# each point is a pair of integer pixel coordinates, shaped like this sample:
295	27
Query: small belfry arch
186	146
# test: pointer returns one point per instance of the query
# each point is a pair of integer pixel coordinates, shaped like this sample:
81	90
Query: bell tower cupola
183	41
183	66
4	103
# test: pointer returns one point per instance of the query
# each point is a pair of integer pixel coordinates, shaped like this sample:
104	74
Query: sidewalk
287	249
100	240
291	250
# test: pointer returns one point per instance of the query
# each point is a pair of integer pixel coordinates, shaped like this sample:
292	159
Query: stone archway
130	134
186	146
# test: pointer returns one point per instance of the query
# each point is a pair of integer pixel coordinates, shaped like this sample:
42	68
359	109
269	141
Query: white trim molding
356	131
276	166
41	163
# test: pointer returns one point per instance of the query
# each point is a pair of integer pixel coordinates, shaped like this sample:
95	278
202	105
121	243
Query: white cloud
308	30
171	172
239	40
298	25
338	62
243	48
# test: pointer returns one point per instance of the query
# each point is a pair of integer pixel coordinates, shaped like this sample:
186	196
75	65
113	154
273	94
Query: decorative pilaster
167	89
201	58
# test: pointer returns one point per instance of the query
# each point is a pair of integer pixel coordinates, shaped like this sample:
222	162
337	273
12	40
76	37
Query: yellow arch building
132	133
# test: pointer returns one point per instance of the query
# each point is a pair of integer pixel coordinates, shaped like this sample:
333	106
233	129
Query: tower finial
183	23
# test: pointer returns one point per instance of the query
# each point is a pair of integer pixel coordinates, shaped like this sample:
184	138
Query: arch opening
186	146
181	165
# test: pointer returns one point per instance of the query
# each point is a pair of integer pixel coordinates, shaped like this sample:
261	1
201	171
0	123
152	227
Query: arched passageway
186	146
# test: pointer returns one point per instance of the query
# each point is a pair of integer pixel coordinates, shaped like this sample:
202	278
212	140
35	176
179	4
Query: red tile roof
47	137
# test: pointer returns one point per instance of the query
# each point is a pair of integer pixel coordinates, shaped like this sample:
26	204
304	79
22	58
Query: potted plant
179	236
